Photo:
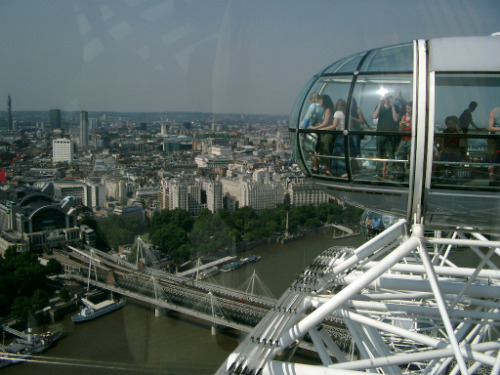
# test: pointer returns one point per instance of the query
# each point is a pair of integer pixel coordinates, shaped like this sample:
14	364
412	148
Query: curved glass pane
347	65
389	59
397	58
298	104
373	156
293	123
322	150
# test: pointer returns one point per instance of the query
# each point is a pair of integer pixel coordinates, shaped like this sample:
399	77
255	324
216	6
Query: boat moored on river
231	266
240	263
26	344
92	311
254	258
38	343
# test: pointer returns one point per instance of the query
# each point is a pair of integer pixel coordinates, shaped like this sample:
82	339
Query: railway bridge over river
219	305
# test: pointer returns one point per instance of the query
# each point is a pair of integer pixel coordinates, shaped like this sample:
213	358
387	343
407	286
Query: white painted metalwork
140	252
255	288
92	265
406	300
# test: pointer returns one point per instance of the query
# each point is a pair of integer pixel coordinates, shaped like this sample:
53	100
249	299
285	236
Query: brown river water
132	340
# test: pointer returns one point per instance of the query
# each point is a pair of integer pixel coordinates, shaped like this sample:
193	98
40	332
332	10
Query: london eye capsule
408	130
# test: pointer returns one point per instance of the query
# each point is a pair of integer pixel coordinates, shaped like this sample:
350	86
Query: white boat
95	310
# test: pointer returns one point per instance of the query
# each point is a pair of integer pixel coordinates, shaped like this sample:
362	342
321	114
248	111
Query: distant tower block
84	129
164	130
9	112
93	123
55	118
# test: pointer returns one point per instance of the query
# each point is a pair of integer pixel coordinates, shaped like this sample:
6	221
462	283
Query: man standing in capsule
466	120
388	120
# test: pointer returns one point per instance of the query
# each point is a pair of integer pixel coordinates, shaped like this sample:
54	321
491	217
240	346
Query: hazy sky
222	56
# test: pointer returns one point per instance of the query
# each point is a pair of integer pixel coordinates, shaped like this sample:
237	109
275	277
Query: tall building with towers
55	118
84	129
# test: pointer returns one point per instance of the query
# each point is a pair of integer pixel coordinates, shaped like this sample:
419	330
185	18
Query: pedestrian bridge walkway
203	267
347	231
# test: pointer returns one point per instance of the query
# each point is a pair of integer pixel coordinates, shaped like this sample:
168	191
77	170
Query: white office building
248	191
62	151
260	190
92	123
95	195
213	190
181	193
305	192
116	189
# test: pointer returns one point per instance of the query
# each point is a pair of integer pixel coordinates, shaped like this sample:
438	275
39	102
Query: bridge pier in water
160	311
216	329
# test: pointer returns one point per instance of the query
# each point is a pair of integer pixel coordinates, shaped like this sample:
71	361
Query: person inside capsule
338	162
493	151
357	122
449	147
387	118
313	116
404	147
325	141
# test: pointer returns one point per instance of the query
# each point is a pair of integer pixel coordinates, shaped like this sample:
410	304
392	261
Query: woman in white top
338	117
338	163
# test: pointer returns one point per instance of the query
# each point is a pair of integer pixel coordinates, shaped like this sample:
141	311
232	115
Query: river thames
133	340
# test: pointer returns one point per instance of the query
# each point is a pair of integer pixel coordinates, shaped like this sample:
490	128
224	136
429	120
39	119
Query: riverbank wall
280	238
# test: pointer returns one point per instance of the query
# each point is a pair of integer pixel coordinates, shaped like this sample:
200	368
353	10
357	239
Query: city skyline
216	57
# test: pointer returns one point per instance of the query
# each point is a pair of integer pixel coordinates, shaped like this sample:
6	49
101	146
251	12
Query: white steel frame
407	307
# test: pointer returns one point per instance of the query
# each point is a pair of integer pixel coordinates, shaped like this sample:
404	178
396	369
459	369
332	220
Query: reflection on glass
477	169
465	154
